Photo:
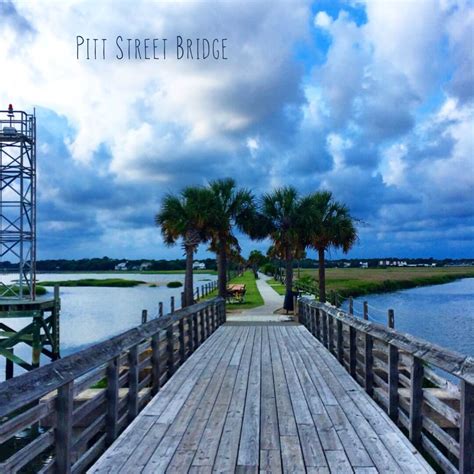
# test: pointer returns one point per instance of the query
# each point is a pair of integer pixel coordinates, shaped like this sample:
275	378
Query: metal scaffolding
18	202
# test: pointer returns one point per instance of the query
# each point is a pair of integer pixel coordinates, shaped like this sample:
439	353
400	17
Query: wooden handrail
138	361
392	366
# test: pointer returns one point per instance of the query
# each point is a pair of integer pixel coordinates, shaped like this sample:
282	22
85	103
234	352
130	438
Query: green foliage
174	284
109	282
269	269
13	291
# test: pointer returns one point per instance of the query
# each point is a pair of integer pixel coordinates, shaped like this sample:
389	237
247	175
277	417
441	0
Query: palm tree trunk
188	278
288	271
322	276
222	269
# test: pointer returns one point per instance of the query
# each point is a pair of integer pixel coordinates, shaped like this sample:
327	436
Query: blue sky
372	100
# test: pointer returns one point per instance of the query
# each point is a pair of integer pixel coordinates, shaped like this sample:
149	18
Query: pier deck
261	398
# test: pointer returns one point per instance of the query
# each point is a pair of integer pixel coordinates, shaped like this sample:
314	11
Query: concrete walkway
272	302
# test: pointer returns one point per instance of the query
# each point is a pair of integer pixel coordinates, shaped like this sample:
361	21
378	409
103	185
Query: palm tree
331	225
230	207
184	217
283	212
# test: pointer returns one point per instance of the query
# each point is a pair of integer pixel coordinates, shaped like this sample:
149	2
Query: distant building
145	266
364	264
199	266
121	266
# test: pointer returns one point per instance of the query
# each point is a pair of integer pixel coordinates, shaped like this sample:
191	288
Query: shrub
174	284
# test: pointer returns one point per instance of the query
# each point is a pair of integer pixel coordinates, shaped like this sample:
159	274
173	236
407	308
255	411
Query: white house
145	266
199	266
364	264
121	266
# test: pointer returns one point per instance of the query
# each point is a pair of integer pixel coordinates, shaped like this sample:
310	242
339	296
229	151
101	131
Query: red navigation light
10	108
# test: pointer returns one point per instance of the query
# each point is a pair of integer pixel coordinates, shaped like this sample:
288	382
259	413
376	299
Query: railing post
416	401
133	382
331	333
160	309
197	293
63	433
195	331
366	310
182	347
224	313
318	324
393	382
466	431
352	351
207	322
369	365
170	349
391	319
112	399
202	327
325	328
56	322
213	318
172	304
155	363
182	300
144	316
340	342
189	321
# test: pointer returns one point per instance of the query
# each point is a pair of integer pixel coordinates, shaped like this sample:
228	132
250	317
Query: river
442	314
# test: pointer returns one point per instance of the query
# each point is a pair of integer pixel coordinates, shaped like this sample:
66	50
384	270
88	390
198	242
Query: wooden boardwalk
261	399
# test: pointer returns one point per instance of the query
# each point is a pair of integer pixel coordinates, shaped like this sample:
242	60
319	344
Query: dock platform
261	398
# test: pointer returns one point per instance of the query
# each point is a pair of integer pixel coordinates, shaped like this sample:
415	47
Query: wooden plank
416	401
133	382
249	449
112	399
338	462
63	433
368	365
466	432
226	458
270	461
291	454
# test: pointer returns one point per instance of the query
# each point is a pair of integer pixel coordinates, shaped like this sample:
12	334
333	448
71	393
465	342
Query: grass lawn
148	272
362	281
252	296
109	282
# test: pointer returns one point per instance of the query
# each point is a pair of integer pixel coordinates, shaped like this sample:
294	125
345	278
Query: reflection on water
91	314
442	314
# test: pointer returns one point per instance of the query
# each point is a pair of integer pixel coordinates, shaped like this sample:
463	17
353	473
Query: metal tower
18	202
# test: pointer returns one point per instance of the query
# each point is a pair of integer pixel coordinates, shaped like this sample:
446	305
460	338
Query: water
442	314
91	314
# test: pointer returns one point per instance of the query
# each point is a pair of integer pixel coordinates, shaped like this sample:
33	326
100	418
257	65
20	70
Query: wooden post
133	382
369	365
36	345
391	319
160	309
207	322
55	331
9	365
112	399
416	401
195	331
351	305
182	347
197	293
366	310
213	318
325	328
172	304
466	430
352	351
155	363
170	349
189	321
393	382
144	316
202	327
63	433
183	305
318	324
224	312
295	305
340	342
330	333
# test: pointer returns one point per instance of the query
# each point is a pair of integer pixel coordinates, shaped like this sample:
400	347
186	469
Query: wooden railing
62	416
204	290
405	376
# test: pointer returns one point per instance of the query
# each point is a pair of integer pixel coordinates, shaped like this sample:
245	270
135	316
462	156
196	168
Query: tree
256	260
230	207
330	225
283	214
184	217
